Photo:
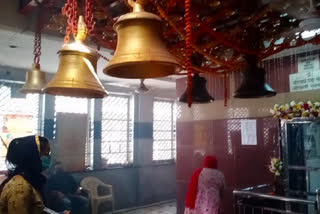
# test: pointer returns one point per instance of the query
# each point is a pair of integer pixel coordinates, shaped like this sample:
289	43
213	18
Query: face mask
46	162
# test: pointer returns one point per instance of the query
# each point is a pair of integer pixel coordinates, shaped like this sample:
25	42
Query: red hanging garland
70	10
188	41
89	16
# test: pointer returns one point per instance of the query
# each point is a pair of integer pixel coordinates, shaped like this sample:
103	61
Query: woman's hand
67	212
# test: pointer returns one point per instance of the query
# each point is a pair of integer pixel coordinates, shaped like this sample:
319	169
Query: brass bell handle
131	3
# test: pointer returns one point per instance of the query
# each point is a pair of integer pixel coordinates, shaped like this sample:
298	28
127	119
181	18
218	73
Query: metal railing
256	200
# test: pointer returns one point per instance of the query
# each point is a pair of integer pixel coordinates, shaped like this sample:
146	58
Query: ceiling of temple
223	31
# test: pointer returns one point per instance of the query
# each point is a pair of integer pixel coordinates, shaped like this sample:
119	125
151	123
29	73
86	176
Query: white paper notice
308	63
249	132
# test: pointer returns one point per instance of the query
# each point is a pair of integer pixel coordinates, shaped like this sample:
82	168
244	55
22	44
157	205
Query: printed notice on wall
308	63
249	132
308	76
305	81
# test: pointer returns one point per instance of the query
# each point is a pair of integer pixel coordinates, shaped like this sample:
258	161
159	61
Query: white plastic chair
92	186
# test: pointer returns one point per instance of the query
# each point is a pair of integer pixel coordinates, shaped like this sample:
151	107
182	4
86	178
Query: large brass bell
76	75
35	80
140	52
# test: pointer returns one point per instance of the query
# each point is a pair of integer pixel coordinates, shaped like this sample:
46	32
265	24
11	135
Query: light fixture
254	84
142	87
200	93
311	21
140	52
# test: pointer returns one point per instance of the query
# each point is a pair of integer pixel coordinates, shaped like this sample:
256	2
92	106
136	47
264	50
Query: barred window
164	130
117	130
74	105
19	116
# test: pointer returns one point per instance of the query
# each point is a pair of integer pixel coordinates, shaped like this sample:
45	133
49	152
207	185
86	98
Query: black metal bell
254	84
200	93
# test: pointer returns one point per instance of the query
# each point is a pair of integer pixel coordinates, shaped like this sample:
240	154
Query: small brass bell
76	75
140	52
35	80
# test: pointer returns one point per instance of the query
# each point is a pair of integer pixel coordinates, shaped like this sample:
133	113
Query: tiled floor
168	208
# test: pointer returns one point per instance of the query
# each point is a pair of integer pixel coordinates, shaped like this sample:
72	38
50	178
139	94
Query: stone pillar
143	129
97	133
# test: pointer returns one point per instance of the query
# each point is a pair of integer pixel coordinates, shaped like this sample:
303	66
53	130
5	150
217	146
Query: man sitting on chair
62	192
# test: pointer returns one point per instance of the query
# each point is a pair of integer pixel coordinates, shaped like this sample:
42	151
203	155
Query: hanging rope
104	57
188	41
226	80
70	10
89	16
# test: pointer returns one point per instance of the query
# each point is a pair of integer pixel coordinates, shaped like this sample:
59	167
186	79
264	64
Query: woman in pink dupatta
205	189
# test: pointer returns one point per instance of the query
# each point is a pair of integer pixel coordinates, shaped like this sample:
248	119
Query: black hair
44	143
23	158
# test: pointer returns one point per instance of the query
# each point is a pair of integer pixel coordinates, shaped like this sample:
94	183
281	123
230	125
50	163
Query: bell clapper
82	30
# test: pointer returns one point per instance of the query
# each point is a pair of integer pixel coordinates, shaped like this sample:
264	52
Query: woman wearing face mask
22	190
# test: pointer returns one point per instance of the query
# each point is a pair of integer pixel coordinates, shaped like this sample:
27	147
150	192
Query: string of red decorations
70	10
188	41
224	64
89	16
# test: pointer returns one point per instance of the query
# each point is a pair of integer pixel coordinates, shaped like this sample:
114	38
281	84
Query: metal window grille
164	130
89	146
10	104
117	130
79	106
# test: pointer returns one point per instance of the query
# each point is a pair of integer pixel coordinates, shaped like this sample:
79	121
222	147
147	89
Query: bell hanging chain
70	10
188	41
89	16
37	43
37	48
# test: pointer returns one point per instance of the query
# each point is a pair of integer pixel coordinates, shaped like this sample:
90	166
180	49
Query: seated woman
21	192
